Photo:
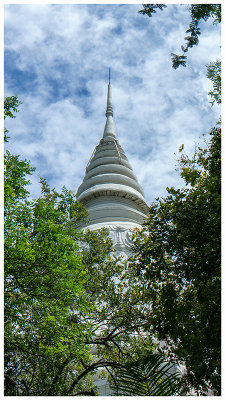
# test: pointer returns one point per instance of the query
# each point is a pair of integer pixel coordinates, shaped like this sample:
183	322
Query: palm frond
149	376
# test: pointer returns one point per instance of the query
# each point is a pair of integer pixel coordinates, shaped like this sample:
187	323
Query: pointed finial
109	125
109	109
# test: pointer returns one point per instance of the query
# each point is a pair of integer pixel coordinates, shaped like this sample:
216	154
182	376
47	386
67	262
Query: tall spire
110	189
109	125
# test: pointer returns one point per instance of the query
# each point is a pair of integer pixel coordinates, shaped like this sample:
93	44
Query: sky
56	61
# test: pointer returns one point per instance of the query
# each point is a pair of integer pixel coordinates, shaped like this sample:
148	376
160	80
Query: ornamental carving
121	237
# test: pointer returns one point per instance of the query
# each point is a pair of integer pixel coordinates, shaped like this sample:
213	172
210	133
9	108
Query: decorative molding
121	237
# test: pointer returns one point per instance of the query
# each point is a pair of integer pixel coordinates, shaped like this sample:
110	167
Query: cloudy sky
56	61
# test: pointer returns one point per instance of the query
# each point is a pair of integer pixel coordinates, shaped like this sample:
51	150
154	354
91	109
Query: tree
177	255
44	279
198	13
48	328
44	284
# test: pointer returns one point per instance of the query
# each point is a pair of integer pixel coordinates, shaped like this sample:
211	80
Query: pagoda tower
110	190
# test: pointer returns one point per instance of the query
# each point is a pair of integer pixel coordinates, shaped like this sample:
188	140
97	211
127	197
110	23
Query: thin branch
23	349
58	374
118	347
90	368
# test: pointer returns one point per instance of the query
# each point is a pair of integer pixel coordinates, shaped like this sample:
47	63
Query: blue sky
56	61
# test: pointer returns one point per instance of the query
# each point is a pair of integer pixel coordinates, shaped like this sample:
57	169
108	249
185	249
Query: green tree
214	73
177	255
198	13
44	283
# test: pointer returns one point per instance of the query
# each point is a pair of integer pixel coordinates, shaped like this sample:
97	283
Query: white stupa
110	190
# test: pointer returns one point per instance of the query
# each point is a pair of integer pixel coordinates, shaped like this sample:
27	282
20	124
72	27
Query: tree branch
86	393
90	368
58	374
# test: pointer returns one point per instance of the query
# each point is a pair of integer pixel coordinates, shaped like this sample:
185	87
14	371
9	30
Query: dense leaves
44	284
11	105
214	74
178	258
178	253
149	9
50	303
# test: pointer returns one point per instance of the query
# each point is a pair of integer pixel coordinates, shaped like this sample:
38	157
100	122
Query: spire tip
109	75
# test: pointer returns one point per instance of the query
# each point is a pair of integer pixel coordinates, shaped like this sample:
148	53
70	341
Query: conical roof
110	189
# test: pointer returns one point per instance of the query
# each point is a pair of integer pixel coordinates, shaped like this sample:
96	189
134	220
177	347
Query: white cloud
56	61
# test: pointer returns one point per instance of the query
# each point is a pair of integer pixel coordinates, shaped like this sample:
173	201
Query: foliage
149	9
214	73
49	304
178	253
177	256
10	104
44	283
198	13
148	376
44	279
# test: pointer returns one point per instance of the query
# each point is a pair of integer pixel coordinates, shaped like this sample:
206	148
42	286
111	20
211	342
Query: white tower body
110	190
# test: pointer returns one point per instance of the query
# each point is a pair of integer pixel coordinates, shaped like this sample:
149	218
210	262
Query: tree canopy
177	256
45	277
